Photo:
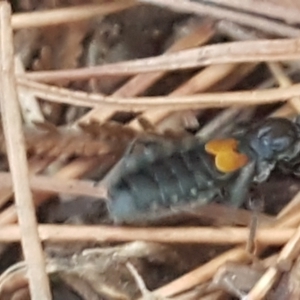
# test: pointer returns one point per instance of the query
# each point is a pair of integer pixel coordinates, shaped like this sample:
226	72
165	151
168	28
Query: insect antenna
256	205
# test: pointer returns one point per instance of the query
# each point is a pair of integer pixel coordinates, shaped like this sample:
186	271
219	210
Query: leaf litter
92	77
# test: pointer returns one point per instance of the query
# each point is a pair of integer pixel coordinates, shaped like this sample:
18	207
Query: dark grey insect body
166	182
165	179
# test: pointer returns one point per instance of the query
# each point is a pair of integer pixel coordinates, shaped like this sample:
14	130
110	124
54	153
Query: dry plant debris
92	77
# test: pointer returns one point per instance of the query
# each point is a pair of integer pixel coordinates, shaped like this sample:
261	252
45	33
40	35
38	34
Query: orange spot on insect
227	159
216	146
230	161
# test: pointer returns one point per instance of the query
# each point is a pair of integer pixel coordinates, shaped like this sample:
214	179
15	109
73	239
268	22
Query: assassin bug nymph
191	173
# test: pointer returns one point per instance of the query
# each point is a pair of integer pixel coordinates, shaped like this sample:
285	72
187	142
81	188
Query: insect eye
281	144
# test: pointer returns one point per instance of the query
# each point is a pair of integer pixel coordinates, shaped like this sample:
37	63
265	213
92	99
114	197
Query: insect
165	179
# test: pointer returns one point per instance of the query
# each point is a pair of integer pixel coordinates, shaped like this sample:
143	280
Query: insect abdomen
164	183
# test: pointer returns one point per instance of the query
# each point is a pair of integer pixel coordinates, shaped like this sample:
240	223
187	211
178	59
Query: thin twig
242	18
35	166
283	112
207	271
202	274
275	10
216	124
204	79
221	99
138	84
75	169
184	235
237	32
284	81
146	294
287	255
67	15
290	207
199	36
158	117
33	252
56	185
233	52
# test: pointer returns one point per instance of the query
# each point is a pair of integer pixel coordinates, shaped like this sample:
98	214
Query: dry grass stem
284	111
138	84
101	57
48	184
200	235
285	12
289	217
35	166
32	249
66	15
235	31
204	79
284	81
237	76
289	253
290	207
217	123
219	295
239	253
141	82
201	274
232	52
198	83
74	169
146	294
220	99
241	18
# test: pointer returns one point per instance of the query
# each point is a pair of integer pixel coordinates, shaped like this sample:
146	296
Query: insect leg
256	204
239	190
136	156
118	169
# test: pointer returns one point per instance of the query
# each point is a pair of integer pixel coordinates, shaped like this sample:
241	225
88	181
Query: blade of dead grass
216	124
139	83
240	33
289	253
184	235
220	99
239	253
74	169
202	274
284	81
65	233
284	11
284	111
32	249
290	207
232	52
66	15
200	8
204	79
35	166
198	83
50	184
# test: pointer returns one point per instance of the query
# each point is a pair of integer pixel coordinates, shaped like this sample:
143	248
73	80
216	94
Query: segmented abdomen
180	178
